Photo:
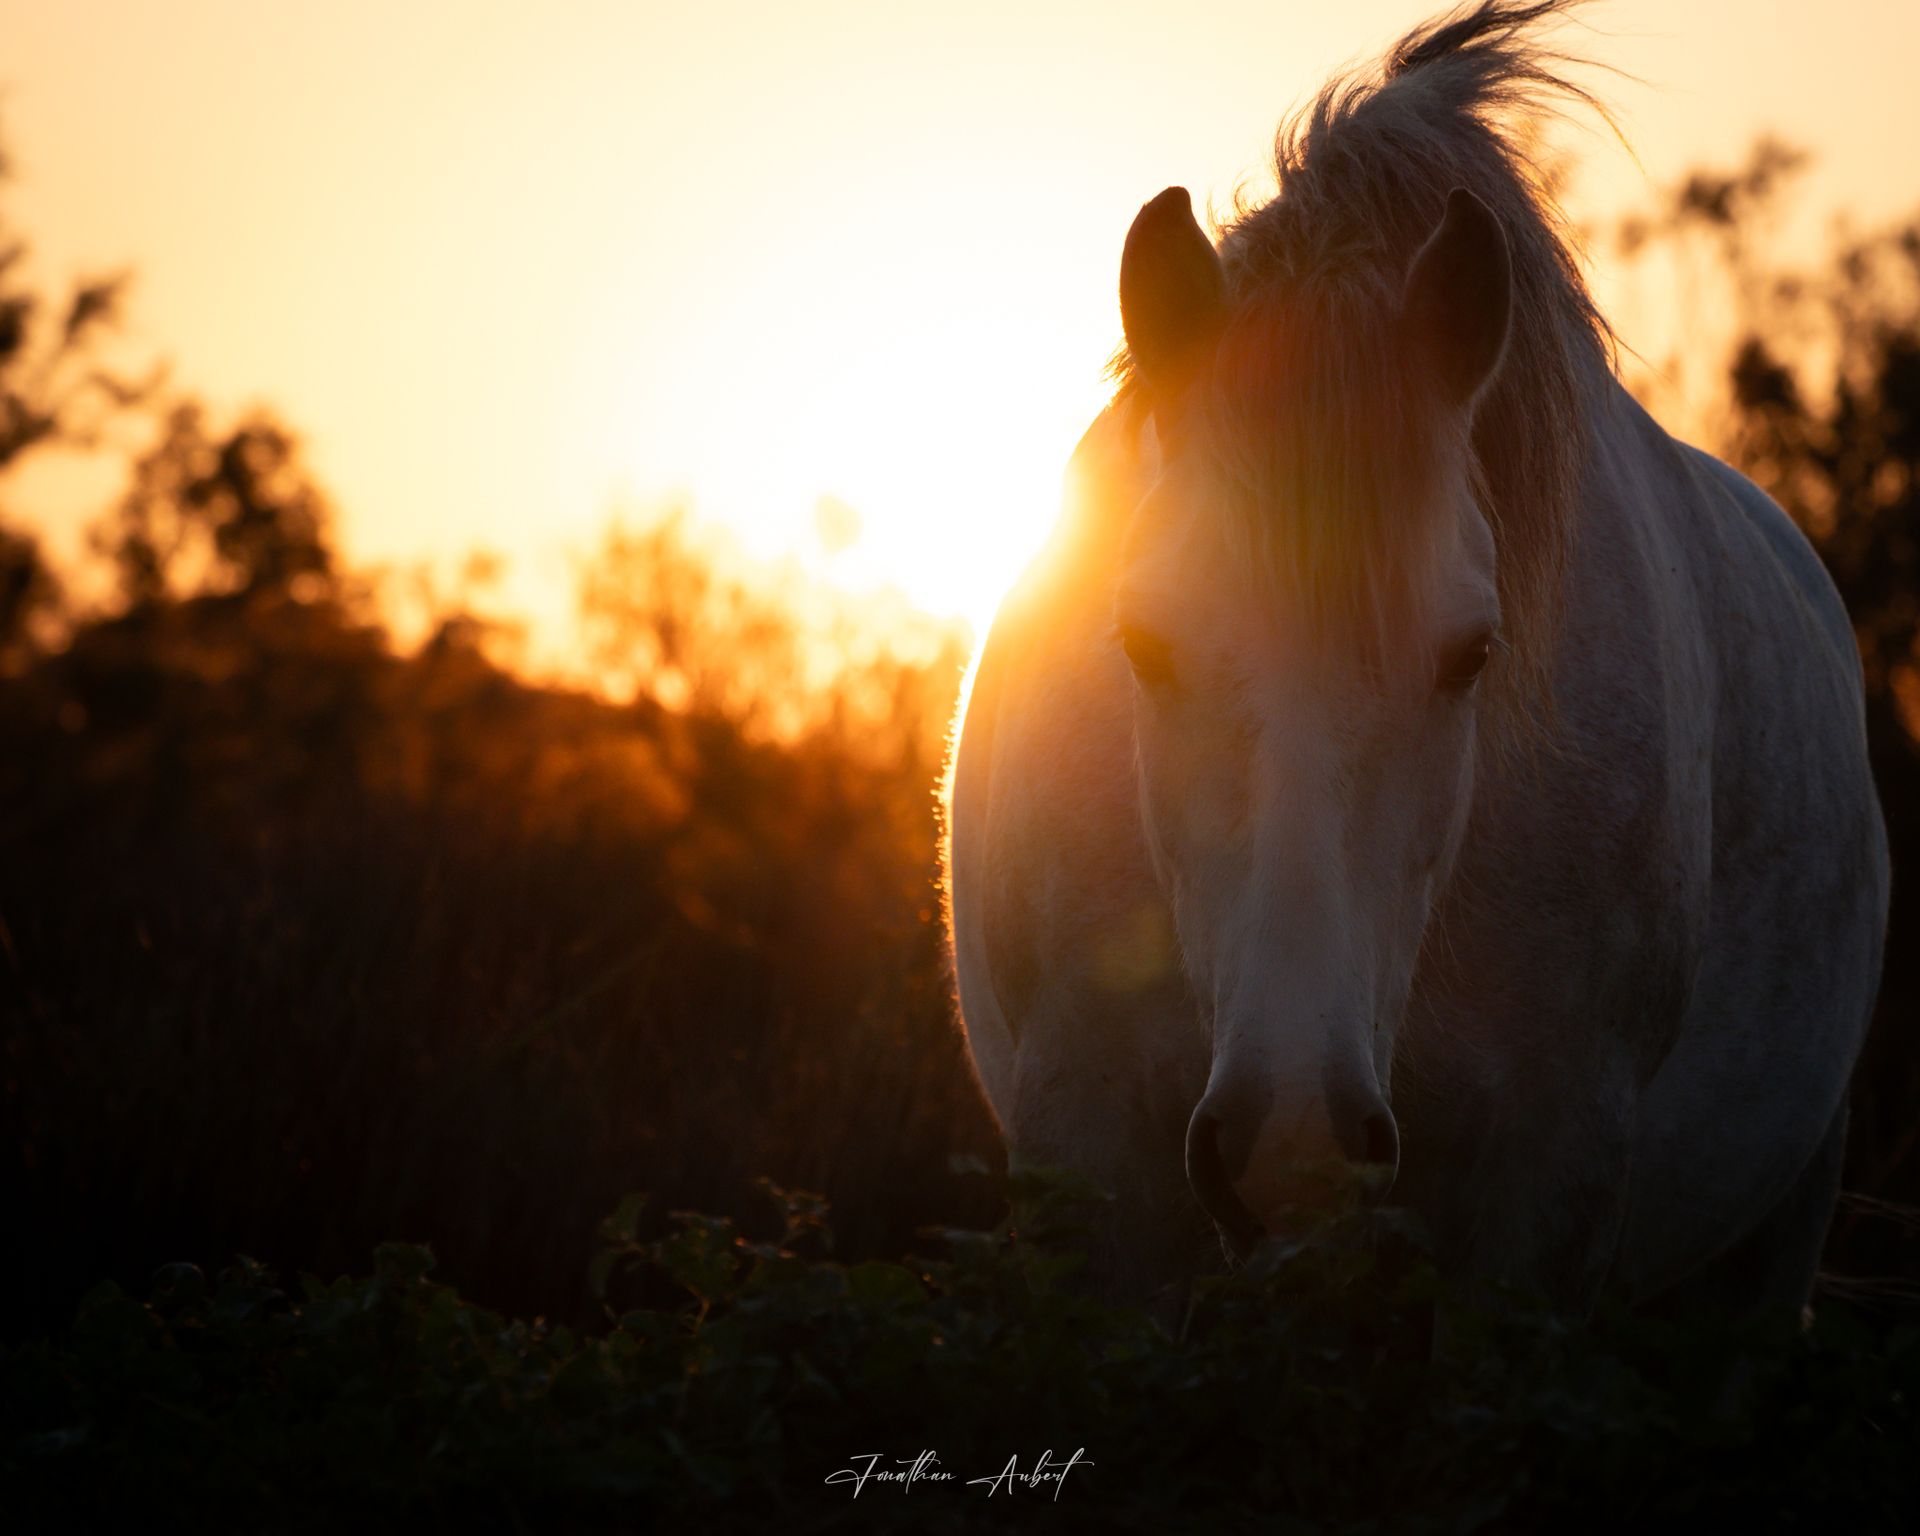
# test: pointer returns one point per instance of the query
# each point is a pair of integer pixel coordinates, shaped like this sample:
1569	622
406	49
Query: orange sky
507	265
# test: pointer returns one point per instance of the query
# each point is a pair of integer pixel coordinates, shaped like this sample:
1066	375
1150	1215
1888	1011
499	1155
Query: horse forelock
1316	457
1312	410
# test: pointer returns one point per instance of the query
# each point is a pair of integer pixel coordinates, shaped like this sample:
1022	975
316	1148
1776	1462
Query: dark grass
1307	1393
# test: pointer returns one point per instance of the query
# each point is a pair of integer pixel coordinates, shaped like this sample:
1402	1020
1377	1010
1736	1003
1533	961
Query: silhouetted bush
1303	1393
308	944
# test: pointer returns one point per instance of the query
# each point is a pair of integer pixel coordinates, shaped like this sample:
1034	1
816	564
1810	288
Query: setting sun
947	455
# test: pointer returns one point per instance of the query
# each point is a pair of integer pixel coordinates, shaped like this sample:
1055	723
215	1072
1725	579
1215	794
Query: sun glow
507	270
922	381
912	448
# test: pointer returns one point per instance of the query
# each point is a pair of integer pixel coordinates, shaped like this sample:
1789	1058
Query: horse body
1611	980
1641	1038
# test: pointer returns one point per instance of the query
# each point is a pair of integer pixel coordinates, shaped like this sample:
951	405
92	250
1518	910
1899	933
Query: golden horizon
508	277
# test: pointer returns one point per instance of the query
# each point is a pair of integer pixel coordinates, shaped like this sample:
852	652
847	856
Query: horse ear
1459	297
1171	298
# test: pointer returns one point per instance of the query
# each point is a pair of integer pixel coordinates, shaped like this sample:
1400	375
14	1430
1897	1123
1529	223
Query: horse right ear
1171	292
1459	298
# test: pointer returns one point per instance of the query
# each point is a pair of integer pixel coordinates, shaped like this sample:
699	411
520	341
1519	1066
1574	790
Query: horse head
1308	602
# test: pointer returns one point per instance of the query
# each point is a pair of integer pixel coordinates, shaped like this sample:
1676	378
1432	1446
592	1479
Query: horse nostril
1382	1138
1207	1174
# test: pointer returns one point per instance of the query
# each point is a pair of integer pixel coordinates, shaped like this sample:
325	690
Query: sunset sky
509	266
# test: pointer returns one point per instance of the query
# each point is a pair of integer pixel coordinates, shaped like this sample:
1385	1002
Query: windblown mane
1311	407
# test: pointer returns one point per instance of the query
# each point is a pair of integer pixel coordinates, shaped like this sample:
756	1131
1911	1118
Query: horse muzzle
1252	1156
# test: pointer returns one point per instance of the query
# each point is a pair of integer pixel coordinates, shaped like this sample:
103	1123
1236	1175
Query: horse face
1304	795
1303	806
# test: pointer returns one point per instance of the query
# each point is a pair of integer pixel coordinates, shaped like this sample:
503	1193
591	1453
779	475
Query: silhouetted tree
212	512
53	388
28	589
55	391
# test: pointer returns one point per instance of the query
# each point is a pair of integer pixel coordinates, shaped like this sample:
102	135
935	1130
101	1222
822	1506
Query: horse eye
1150	656
1462	666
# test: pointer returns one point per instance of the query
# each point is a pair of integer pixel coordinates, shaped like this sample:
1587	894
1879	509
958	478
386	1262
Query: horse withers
1408	756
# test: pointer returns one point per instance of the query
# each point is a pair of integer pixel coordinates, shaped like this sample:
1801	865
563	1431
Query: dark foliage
1306	1391
54	392
304	944
236	511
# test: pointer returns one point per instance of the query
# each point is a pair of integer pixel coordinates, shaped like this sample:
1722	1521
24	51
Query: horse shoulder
1789	964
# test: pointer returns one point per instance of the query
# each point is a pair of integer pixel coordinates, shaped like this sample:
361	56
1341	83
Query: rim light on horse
1409	755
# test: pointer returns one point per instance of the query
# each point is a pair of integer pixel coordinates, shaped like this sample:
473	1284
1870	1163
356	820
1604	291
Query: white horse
1408	754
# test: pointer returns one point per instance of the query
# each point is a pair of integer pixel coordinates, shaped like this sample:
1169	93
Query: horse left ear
1171	300
1459	298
